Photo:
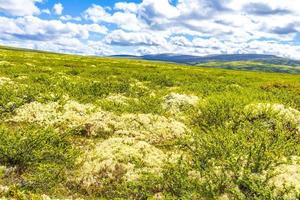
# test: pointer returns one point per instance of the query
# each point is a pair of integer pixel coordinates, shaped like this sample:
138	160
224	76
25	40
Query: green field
75	127
253	66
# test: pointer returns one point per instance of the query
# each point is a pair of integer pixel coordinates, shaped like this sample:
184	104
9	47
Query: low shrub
38	157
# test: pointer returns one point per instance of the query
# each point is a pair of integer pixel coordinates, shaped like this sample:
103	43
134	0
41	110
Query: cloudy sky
198	27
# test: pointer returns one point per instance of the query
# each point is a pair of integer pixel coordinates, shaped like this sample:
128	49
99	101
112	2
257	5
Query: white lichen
94	121
45	197
287	176
23	77
152	128
5	81
119	159
174	102
234	87
119	99
138	85
36	112
280	112
3	189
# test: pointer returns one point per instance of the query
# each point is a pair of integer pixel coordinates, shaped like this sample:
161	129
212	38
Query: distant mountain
188	59
250	62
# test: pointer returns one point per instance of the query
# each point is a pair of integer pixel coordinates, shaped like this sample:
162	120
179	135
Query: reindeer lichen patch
286	115
152	128
287	176
119	99
94	121
175	102
5	81
119	159
36	112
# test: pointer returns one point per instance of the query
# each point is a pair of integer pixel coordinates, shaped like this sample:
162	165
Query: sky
138	27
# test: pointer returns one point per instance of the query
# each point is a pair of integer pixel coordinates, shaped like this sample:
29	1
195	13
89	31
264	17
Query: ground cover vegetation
74	127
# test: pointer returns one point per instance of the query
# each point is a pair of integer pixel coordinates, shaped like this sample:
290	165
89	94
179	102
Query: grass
253	66
92	128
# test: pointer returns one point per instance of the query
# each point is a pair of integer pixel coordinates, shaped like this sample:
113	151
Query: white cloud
127	7
19	7
100	48
212	26
96	13
197	27
69	45
223	17
146	50
58	8
69	18
125	20
122	38
46	11
180	41
190	8
33	28
95	28
157	12
267	7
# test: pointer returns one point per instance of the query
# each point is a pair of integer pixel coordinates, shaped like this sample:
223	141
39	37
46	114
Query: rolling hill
252	62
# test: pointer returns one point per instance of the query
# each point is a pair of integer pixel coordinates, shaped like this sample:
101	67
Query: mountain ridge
193	60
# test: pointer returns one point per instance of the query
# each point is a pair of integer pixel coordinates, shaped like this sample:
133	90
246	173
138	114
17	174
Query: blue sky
196	27
75	7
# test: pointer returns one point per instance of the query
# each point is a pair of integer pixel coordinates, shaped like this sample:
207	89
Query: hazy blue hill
125	56
188	59
172	58
250	62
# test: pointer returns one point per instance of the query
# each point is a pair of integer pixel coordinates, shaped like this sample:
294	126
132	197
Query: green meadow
75	127
253	66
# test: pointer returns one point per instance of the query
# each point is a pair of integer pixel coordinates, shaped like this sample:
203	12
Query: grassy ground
253	66
85	127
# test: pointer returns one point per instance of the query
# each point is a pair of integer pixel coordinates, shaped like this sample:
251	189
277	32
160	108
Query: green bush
38	156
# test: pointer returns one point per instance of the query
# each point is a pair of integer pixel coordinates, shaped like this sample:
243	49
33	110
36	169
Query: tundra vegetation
253	66
76	127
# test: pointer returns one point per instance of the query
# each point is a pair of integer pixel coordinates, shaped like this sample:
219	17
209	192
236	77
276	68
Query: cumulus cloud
180	41
224	20
96	13
283	30
264	9
34	28
58	8
19	7
125	20
190	8
197	27
157	12
122	38
46	11
69	18
127	7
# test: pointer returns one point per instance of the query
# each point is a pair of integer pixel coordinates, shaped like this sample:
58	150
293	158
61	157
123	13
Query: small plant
38	157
